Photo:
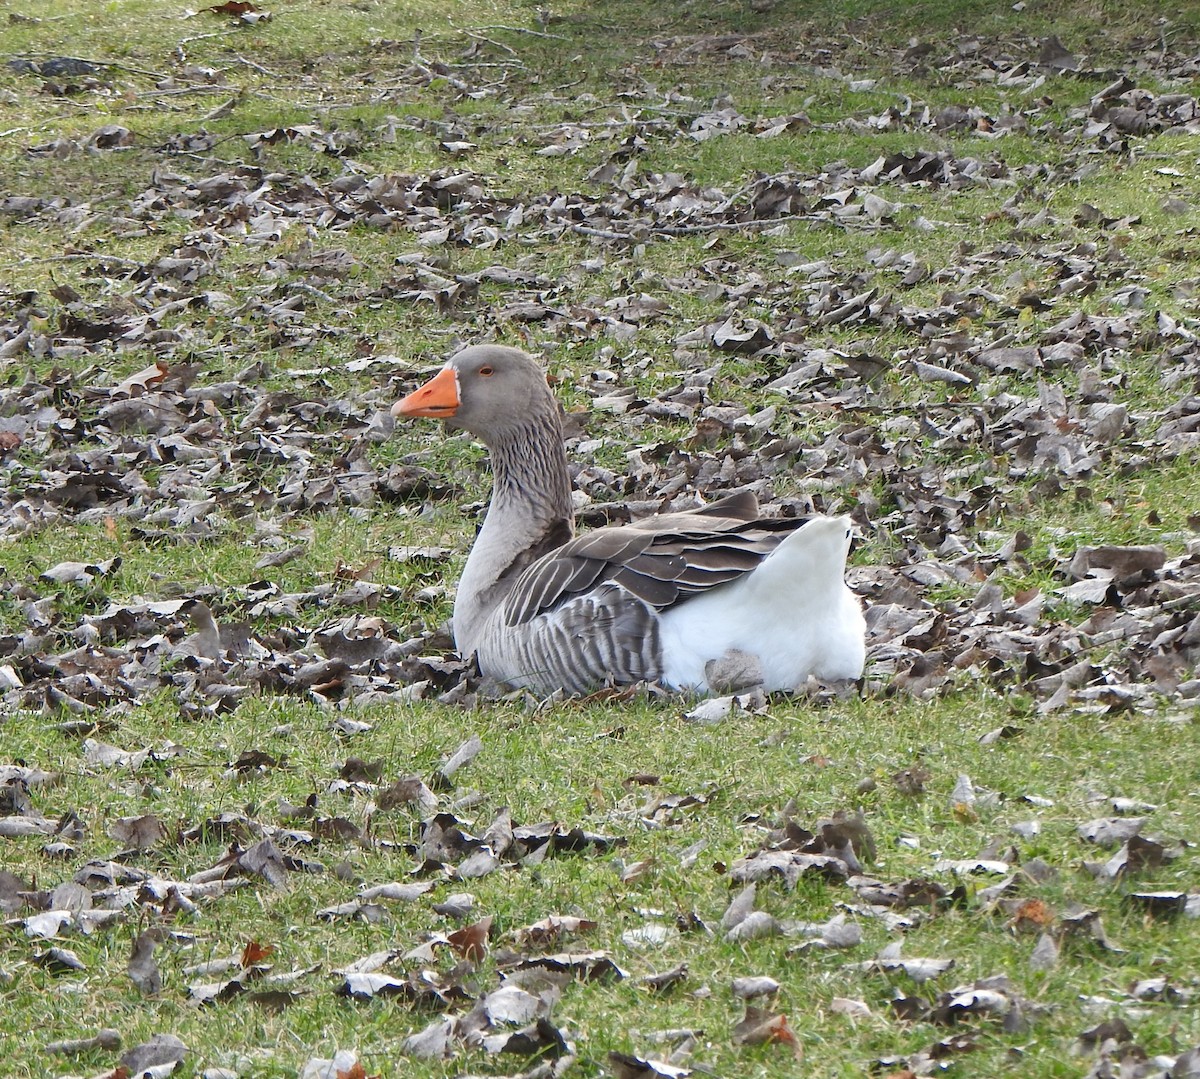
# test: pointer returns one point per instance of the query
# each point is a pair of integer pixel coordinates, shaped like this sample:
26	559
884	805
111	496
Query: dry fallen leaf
141	381
471	941
142	969
551	928
628	1066
254	953
760	1027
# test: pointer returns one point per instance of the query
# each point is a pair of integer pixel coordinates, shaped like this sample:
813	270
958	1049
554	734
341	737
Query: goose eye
487	372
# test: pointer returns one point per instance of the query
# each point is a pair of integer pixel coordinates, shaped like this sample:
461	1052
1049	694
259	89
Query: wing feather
659	562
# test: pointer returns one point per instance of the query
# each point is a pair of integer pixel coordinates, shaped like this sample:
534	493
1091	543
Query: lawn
933	265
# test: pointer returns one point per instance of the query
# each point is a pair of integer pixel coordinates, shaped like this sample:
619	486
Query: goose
679	598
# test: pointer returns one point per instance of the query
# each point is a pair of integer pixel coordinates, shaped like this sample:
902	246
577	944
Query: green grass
388	84
567	767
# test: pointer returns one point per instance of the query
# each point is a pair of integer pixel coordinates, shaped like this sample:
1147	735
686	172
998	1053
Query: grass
568	766
390	84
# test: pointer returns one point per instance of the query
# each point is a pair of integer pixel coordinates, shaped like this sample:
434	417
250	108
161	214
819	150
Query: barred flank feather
602	636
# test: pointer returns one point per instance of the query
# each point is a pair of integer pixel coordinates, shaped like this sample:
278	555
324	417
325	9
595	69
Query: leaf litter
183	453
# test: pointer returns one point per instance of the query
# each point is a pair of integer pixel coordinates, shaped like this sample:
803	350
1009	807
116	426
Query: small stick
201	37
257	67
715	226
517	30
99	63
104	1039
684	230
80	256
491	41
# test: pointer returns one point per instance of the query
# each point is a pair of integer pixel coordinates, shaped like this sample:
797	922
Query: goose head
491	391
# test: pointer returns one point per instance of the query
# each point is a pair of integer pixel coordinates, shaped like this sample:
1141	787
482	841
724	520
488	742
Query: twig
163	148
204	158
506	64
312	290
81	256
684	230
256	67
666	110
517	30
491	41
201	37
603	234
184	91
756	223
95	63
734	197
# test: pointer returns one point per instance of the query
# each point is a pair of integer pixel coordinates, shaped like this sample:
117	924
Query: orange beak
437	398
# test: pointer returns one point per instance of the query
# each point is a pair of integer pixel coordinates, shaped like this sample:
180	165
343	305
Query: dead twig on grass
78	256
635	236
256	67
490	41
515	30
201	37
34	58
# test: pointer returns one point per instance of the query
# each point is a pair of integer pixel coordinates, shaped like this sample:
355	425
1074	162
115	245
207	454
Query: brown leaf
266	860
138	832
141	381
667	979
551	928
255	760
1139	852
471	941
754	986
1120	563
406	791
637	870
355	1071
1031	914
540	1037
356	770
142	969
1045	953
1159	904
627	1066
587	966
761	1027
911	781
1116	1030
344	572
254	953
157	1050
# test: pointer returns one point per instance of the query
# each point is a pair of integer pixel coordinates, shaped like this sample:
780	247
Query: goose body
680	598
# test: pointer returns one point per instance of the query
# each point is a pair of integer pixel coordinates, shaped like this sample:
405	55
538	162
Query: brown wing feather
741	504
661	561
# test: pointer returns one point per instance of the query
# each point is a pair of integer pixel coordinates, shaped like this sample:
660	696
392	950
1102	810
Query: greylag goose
659	599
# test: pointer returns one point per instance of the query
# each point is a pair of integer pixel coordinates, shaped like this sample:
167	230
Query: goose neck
529	472
530	515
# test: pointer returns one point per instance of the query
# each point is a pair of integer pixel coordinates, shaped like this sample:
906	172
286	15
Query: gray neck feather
530	514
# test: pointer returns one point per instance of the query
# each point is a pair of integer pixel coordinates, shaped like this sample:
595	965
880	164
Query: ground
933	265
